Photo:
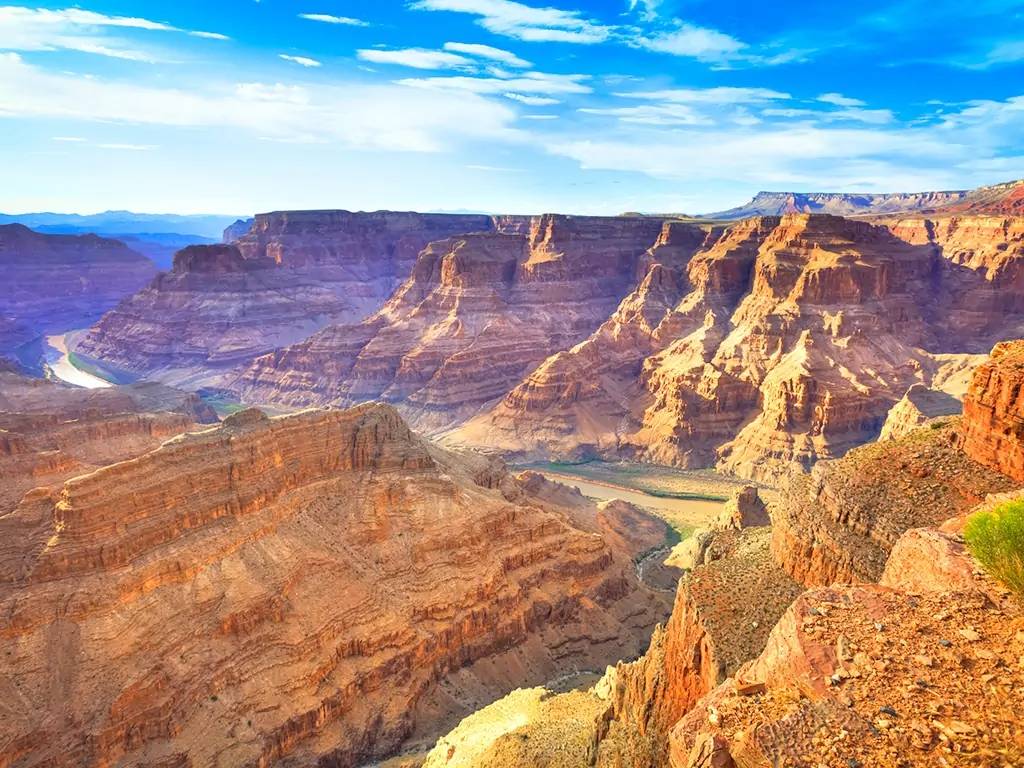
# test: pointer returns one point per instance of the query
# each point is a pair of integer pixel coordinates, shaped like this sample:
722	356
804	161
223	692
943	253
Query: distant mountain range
155	235
1005	199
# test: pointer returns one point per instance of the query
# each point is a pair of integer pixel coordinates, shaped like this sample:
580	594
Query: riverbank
62	365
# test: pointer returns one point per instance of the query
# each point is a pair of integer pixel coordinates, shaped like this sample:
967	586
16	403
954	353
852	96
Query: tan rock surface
478	313
289	275
790	340
50	431
915	409
840	522
289	591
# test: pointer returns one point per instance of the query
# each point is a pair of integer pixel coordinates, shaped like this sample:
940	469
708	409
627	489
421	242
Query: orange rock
993	424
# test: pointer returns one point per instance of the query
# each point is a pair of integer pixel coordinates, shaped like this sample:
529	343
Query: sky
682	106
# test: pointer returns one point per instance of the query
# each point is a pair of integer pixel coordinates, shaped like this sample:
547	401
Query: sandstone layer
291	591
55	283
288	275
917	407
993	424
477	314
50	431
771	344
840	522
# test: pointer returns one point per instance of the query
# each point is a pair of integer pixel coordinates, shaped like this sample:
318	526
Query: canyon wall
477	313
56	283
292	591
773	344
993	424
286	276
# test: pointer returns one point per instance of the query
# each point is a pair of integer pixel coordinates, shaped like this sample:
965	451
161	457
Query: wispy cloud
76	29
488	52
533	101
360	116
303	61
417	58
717	95
326	18
528	82
524	22
839	100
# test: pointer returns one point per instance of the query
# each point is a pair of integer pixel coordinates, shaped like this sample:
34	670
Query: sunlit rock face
993	423
477	313
777	342
287	275
56	283
295	590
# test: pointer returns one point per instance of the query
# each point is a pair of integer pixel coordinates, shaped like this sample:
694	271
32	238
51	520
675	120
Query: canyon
55	283
299	598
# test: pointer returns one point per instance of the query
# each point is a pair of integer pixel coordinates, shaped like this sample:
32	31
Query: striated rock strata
291	591
771	344
50	431
56	283
477	314
993	424
919	406
286	276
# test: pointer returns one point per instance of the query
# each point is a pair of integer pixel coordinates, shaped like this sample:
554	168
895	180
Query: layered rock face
291	591
993	423
477	314
56	283
778	342
916	408
49	431
840	522
288	275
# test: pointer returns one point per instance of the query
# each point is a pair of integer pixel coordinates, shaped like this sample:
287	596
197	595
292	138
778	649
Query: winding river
60	365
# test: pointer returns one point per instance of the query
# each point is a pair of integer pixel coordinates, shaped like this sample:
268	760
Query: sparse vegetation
996	539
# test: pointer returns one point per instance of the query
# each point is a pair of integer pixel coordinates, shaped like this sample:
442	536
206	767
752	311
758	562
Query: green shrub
996	539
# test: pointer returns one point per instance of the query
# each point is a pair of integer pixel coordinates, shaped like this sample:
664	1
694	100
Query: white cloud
326	18
70	139
389	117
488	52
839	100
533	101
701	43
648	9
653	114
719	95
304	61
524	22
129	147
75	29
417	58
528	82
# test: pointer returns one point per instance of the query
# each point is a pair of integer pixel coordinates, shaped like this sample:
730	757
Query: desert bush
996	539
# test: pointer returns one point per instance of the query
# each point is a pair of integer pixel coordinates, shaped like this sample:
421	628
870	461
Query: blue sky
236	106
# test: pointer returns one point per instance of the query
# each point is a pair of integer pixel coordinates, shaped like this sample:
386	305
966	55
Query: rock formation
918	407
921	671
839	204
56	283
993	424
779	342
50	431
477	314
841	521
291	591
287	276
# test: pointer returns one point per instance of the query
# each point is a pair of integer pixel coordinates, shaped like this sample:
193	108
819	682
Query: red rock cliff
993	423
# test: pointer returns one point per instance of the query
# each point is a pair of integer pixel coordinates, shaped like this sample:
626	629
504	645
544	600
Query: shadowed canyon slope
477	314
780	342
290	274
55	283
292	590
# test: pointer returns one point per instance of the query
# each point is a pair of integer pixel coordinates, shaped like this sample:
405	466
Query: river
60	365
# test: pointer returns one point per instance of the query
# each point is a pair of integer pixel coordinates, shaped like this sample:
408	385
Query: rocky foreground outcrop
56	283
50	431
477	313
775	343
287	275
993	425
292	591
917	407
